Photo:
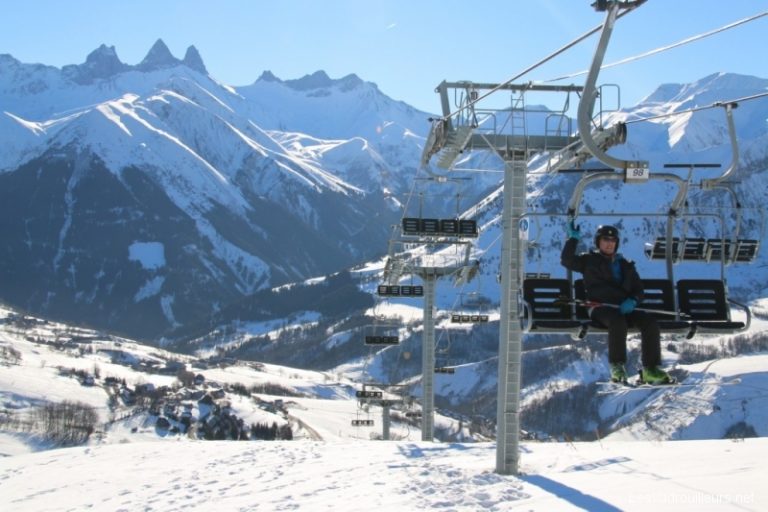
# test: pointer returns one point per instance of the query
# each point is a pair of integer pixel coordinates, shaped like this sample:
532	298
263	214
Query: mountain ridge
332	159
197	143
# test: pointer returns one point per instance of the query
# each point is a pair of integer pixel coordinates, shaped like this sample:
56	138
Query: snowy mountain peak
663	94
193	60
717	86
729	81
158	57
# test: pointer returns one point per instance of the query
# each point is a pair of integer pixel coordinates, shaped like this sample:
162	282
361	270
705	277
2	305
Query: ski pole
594	304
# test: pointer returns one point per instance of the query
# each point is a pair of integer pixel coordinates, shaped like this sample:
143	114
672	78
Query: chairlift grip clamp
602	5
727	104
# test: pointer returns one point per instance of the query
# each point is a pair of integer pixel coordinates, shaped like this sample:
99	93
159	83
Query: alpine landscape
186	264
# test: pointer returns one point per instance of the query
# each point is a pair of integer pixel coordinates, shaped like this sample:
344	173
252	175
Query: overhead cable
534	66
697	109
665	48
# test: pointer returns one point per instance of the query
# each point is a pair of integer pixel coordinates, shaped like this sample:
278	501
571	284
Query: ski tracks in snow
438	483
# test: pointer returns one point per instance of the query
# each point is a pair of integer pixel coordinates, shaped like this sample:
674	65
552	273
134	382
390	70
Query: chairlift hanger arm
437	139
711	183
719	182
587	103
446	106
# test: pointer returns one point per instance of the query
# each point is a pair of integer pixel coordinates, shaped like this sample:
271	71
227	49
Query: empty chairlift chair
745	250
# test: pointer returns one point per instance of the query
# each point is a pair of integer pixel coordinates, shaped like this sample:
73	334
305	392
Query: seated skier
612	280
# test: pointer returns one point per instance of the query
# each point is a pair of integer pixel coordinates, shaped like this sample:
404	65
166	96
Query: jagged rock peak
319	80
316	80
268	76
159	57
193	60
103	53
103	61
350	81
100	63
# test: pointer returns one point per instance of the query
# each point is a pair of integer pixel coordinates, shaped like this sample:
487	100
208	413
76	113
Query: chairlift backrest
382	340
660	295
703	299
541	296
746	250
693	249
717	250
465	318
711	250
416	226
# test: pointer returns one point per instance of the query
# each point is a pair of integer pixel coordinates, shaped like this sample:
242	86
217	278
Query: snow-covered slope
133	461
389	476
145	394
255	208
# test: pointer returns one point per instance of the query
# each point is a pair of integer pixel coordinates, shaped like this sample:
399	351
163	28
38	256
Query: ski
609	387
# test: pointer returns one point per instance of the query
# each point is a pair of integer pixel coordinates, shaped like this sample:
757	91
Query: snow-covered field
396	476
674	459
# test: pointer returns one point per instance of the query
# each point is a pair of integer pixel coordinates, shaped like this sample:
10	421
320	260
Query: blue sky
406	47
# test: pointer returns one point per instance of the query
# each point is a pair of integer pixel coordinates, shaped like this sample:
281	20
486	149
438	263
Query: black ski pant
617	325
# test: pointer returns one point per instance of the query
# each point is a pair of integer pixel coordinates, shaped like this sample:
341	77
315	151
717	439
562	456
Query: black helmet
607	231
